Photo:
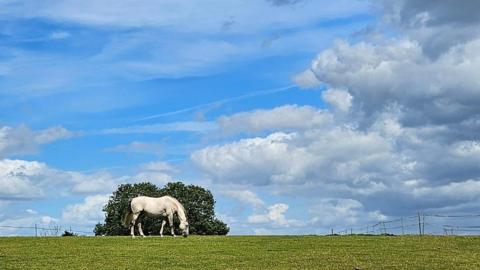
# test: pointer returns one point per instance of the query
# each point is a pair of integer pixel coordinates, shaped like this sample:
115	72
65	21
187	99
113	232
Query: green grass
241	252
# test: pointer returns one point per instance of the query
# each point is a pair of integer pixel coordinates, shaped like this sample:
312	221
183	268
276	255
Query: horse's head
184	227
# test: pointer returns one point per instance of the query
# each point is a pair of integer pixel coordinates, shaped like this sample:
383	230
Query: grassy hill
241	252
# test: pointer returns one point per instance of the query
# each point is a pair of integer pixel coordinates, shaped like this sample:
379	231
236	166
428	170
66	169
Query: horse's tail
127	217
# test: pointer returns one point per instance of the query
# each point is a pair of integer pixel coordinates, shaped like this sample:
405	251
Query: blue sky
299	116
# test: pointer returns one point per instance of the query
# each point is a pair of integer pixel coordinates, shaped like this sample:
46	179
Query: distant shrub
67	233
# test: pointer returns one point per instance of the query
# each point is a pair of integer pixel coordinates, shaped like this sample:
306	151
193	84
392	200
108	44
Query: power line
36	228
423	221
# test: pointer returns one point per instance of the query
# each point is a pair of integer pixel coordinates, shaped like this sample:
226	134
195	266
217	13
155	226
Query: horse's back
153	205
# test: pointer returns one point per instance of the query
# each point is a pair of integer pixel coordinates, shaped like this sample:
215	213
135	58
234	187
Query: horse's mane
179	205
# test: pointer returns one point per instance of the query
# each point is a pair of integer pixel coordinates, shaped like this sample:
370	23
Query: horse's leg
170	221
140	229
161	228
132	226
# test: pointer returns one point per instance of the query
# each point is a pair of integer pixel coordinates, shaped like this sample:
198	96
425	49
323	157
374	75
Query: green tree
117	205
198	202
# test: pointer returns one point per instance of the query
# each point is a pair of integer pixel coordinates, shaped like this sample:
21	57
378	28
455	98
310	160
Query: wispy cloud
188	126
137	147
222	101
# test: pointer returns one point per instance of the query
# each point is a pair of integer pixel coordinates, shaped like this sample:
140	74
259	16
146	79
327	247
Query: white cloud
57	35
161	128
340	99
157	178
337	155
15	179
439	90
263	231
52	134
437	26
379	158
197	45
279	118
464	191
93	183
22	140
191	16
410	125
160	166
275	215
138	147
341	213
31	211
306	79
88	212
256	160
20	179
245	196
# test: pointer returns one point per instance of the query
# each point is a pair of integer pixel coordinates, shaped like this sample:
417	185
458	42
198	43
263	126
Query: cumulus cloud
438	26
340	99
275	215
267	159
15	179
384	161
26	180
439	91
21	179
280	118
92	183
88	212
245	196
331	212
159	166
401	133
336	155
306	79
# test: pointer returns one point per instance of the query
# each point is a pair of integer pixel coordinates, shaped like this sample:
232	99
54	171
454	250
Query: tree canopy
198	202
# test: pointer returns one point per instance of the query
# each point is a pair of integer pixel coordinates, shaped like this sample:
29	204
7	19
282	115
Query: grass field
241	252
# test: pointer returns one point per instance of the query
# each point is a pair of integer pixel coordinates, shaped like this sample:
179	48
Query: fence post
423	223
403	229
419	224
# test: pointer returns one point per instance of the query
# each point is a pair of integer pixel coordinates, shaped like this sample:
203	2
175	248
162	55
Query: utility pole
36	234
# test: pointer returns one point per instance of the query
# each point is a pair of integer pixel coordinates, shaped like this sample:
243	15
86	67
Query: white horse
164	206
